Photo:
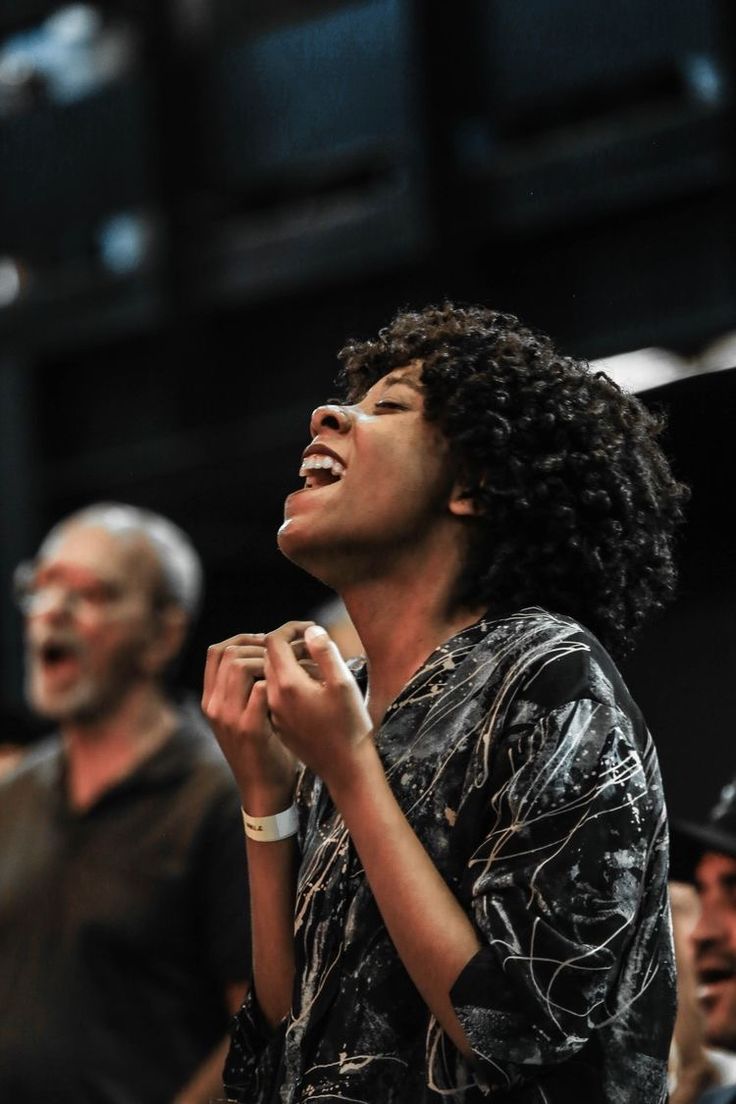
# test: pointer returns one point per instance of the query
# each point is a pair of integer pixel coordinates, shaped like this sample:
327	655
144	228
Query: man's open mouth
711	984
716	975
55	654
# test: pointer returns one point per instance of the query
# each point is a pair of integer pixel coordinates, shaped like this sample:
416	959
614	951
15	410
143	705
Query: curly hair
576	504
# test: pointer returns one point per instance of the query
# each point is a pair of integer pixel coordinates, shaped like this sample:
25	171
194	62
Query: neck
401	620
102	752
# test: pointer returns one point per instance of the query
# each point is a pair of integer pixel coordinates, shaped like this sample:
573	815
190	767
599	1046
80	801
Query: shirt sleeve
554	889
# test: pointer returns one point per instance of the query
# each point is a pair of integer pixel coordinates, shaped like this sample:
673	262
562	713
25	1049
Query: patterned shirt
526	770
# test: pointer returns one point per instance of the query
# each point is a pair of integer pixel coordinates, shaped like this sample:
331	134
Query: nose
330	416
709	929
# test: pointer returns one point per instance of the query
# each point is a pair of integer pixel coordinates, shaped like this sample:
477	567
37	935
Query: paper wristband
270	828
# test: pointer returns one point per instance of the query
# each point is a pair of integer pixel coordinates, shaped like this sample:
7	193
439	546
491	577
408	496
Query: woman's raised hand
235	703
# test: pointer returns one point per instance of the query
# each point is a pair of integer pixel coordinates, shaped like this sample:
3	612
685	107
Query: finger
215	654
257	707
282	661
299	649
311	669
235	655
244	651
221	690
242	674
232	689
291	631
324	652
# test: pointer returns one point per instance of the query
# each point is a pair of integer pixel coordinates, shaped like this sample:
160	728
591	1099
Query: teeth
315	463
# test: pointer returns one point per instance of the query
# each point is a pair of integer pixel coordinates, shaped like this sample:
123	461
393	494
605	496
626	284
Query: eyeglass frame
73	596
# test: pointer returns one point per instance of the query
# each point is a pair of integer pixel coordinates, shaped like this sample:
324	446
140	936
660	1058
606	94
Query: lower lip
710	992
310	490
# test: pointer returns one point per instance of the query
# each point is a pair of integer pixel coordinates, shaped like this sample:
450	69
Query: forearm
431	932
206	1084
272	873
235	701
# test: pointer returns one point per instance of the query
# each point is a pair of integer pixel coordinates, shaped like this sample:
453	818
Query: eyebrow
406	380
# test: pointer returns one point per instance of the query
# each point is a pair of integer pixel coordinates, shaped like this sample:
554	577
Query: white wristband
270	828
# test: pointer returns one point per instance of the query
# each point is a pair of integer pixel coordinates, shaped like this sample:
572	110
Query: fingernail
314	632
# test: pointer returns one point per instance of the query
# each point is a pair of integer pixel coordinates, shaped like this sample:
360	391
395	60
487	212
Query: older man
123	895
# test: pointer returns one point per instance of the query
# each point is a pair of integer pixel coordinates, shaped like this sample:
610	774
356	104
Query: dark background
294	175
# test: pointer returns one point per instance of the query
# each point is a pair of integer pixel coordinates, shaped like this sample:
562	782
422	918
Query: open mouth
715	976
321	470
57	657
711	983
52	654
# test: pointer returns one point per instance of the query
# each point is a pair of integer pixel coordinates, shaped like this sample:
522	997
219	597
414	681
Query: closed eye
387	404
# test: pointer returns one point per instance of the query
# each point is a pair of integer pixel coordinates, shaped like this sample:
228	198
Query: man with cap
705	855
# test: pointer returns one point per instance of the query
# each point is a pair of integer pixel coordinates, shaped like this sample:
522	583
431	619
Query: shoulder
551	660
27	792
726	1095
37	769
197	758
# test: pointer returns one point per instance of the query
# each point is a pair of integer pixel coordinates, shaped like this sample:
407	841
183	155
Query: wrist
349	779
259	802
271	829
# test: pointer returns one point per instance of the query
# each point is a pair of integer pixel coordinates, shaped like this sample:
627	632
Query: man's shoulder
38	765
724	1095
197	749
30	783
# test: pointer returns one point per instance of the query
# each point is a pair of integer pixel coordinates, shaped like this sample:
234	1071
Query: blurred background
200	200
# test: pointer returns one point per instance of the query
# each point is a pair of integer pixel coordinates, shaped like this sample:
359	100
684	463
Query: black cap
688	841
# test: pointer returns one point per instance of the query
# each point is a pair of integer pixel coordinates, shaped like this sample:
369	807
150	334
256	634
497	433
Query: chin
53	709
720	1032
50	708
298	548
290	546
75	704
44	704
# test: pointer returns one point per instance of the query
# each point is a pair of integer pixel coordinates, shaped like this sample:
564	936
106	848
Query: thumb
324	652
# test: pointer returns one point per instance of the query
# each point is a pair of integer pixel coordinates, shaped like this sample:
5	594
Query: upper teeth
312	463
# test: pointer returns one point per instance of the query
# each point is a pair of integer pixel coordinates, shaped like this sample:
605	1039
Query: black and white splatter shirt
526	770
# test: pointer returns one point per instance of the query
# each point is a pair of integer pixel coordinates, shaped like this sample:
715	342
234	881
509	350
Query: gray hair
178	560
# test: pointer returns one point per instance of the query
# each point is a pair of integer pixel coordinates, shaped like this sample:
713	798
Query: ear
166	640
462	502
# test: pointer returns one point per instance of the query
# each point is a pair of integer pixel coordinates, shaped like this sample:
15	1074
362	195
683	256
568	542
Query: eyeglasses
36	591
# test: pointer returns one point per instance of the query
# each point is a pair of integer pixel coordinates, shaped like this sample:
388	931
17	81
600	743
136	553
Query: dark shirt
120	926
725	1095
526	771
